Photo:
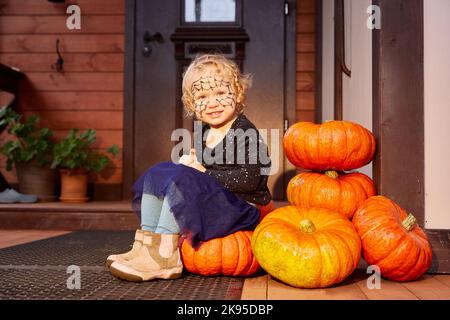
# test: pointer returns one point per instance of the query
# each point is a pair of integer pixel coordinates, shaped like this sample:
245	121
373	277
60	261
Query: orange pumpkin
229	256
308	248
392	240
338	192
333	145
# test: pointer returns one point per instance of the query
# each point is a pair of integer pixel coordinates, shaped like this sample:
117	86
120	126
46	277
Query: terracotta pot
36	180
73	186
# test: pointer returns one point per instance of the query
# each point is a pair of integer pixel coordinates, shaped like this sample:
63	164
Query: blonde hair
223	67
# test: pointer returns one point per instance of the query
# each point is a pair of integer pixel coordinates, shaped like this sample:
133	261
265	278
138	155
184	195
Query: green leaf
76	151
4	111
114	150
29	142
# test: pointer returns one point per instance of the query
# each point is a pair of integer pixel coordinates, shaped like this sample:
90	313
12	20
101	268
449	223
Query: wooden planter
36	180
73	186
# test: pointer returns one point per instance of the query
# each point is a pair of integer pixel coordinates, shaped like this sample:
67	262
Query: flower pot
36	180
73	186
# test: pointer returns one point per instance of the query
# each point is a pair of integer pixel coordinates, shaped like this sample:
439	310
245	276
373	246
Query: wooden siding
89	94
306	52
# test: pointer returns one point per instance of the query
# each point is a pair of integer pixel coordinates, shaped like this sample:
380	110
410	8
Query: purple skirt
203	208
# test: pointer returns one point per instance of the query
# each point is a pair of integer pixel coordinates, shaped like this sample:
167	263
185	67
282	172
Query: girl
210	193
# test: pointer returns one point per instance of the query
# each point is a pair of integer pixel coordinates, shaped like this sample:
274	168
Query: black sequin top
240	161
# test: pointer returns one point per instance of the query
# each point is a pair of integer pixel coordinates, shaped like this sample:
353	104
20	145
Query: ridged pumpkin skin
400	254
307	248
338	192
228	256
333	145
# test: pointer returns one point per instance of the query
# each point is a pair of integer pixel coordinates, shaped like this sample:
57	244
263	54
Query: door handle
147	38
146	50
153	37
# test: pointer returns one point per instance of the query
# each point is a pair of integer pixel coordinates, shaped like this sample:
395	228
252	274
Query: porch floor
45	269
265	287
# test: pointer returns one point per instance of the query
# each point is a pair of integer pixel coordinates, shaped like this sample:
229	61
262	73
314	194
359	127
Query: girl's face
214	98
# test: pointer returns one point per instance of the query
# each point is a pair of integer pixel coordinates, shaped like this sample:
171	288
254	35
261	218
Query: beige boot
138	238
158	258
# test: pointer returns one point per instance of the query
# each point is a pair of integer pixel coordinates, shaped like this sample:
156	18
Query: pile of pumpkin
317	241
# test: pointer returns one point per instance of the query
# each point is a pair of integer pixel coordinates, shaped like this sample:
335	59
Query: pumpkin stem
409	222
332	174
307	226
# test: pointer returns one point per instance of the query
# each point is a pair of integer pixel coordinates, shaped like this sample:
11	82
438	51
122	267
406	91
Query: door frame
290	85
400	42
318	63
129	99
130	89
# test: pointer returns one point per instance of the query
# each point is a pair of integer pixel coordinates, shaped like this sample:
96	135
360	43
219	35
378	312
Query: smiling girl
212	192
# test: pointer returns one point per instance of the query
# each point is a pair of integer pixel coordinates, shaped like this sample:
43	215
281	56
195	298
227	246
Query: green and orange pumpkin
333	145
338	192
392	240
307	248
229	256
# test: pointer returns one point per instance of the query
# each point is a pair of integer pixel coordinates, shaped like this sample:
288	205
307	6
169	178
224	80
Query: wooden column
398	115
398	104
338	57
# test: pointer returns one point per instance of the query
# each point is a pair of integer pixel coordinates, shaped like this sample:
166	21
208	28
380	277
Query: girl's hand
195	164
198	166
186	160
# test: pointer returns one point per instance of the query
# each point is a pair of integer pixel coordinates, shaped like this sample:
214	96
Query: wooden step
95	215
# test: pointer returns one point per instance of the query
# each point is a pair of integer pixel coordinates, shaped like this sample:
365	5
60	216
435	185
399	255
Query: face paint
212	87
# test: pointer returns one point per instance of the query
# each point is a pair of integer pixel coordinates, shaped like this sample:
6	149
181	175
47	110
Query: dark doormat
41	270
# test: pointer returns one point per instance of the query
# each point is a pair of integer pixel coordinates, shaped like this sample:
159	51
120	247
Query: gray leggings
156	215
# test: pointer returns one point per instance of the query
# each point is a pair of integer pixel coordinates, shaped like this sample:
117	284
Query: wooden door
161	39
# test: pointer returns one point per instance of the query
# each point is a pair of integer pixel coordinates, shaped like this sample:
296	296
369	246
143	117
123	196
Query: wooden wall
306	50
89	94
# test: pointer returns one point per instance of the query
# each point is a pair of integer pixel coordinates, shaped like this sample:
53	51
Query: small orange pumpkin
338	192
333	145
308	248
229	256
392	240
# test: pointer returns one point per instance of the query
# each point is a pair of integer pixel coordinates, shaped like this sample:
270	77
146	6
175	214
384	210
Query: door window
210	11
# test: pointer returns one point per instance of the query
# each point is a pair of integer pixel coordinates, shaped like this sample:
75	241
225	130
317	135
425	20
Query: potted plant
75	158
30	151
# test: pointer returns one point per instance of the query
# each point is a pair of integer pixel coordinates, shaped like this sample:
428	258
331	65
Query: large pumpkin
338	192
228	256
333	145
392	240
307	248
